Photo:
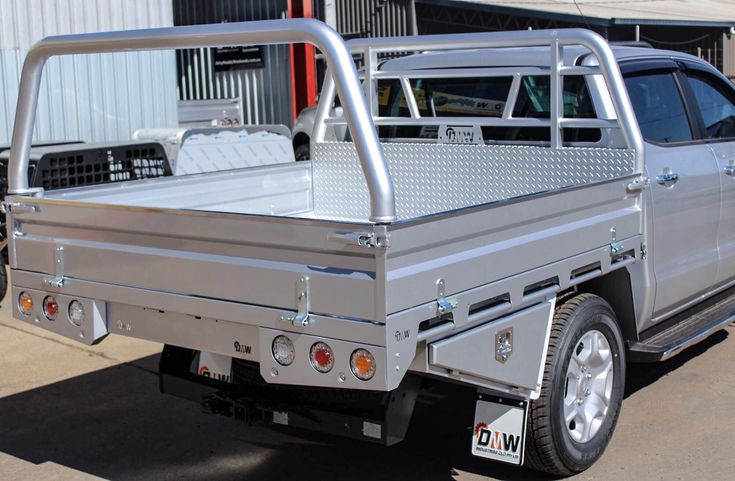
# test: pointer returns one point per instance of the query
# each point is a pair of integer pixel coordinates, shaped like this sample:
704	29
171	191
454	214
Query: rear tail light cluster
362	364
25	303
75	310
283	350
76	313
50	308
322	359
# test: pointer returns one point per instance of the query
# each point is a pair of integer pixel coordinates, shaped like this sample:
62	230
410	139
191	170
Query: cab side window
659	107
716	102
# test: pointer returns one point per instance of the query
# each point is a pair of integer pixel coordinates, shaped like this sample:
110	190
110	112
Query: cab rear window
485	97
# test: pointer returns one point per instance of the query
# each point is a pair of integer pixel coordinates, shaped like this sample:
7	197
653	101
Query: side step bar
685	329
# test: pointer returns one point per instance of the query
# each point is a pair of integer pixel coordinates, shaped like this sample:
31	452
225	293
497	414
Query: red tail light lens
321	357
50	308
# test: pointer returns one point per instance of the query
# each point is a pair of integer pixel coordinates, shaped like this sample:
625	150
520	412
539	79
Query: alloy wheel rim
588	386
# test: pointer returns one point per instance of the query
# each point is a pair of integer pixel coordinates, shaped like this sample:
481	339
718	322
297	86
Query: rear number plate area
215	366
500	429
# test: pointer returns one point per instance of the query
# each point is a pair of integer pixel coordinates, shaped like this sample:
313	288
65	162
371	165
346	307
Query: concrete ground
68	412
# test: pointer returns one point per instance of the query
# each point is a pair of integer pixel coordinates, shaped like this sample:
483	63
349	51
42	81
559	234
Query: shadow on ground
113	423
641	375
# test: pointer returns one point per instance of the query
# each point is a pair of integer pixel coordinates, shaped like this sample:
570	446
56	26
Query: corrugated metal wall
265	93
374	18
88	97
728	55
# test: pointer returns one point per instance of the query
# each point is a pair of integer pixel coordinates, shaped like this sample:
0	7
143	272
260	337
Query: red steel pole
303	64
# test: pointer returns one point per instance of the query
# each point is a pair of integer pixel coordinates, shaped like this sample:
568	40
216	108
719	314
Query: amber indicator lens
25	303
362	364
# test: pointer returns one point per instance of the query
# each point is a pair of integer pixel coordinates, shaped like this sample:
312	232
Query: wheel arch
616	289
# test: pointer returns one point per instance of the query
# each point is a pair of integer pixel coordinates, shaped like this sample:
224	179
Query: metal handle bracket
58	280
443	305
301	317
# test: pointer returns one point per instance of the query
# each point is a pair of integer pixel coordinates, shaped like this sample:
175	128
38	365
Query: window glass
659	107
534	98
460	97
485	97
716	102
456	97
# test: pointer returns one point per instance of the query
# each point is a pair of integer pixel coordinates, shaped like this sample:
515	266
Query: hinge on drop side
301	317
443	305
362	239
639	184
17	208
58	280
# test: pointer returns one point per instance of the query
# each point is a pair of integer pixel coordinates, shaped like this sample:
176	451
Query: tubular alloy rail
556	40
339	60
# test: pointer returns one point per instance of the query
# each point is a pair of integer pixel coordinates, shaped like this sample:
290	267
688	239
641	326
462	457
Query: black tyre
573	420
301	152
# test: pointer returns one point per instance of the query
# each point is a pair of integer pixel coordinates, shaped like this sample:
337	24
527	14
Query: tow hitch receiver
500	428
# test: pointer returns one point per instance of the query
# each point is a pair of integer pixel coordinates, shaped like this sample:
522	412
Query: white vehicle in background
525	213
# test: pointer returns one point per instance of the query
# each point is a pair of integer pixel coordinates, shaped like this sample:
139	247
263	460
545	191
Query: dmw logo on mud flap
497	442
500	427
205	371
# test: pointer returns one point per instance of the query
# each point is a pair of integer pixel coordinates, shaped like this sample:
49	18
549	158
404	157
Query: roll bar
338	57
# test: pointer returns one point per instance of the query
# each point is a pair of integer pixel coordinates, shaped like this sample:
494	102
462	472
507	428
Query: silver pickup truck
526	213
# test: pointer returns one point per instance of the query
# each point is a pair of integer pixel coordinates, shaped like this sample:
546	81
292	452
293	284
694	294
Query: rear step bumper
686	329
375	416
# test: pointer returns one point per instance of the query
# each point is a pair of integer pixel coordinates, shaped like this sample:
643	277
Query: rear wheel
573	420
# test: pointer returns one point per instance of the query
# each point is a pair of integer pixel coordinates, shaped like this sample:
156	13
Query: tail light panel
318	361
77	318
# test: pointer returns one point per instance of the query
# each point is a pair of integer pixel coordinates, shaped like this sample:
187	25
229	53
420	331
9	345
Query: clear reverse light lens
50	308
321	357
362	364
25	303
76	313
283	351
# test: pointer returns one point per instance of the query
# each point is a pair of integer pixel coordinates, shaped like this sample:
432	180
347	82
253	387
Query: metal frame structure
556	40
314	32
343	79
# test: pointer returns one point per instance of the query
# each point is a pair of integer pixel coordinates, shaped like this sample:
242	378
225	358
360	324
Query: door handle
668	179
730	170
